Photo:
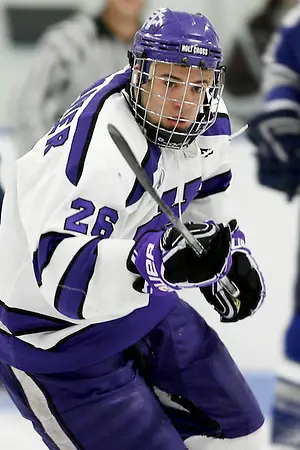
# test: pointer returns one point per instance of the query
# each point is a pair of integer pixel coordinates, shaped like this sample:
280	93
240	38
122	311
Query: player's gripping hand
166	262
246	276
276	135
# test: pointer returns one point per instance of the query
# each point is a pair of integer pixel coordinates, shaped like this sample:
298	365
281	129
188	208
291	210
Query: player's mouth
181	123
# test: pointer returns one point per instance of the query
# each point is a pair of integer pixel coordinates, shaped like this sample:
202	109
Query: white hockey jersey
71	213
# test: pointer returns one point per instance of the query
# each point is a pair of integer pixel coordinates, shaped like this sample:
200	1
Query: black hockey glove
246	276
276	134
167	263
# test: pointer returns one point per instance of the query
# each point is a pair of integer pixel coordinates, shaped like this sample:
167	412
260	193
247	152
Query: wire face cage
174	103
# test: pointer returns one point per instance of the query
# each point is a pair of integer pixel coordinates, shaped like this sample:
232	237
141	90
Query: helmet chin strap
162	136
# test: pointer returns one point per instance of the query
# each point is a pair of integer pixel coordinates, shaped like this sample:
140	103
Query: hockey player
69	57
97	349
276	133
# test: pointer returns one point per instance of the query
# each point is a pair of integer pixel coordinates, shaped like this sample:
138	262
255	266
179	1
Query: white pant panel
253	441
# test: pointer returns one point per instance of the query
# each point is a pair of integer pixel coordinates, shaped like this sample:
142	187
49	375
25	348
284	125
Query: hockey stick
143	179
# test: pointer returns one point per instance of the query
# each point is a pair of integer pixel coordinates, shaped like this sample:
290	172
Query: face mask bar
150	103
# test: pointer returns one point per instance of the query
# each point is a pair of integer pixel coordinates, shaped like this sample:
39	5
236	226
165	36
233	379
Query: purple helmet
171	38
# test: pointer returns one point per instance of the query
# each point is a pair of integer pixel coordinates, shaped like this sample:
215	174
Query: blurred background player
276	133
242	91
69	57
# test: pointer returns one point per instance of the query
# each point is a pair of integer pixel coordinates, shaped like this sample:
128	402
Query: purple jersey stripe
220	127
42	256
20	322
150	164
158	222
90	345
73	286
214	185
86	124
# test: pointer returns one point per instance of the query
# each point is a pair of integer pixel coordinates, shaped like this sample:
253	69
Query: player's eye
201	87
198	89
170	83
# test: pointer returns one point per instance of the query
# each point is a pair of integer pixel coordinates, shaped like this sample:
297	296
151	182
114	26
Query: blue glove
246	277
276	134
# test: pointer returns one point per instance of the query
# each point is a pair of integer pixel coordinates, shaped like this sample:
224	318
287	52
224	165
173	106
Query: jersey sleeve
213	199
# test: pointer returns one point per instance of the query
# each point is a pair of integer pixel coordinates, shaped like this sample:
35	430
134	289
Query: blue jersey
282	65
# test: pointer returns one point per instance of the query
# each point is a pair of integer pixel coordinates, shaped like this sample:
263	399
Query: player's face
130	8
174	94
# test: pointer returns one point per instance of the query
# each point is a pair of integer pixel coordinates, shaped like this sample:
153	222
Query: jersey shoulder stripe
215	185
86	125
149	164
221	126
